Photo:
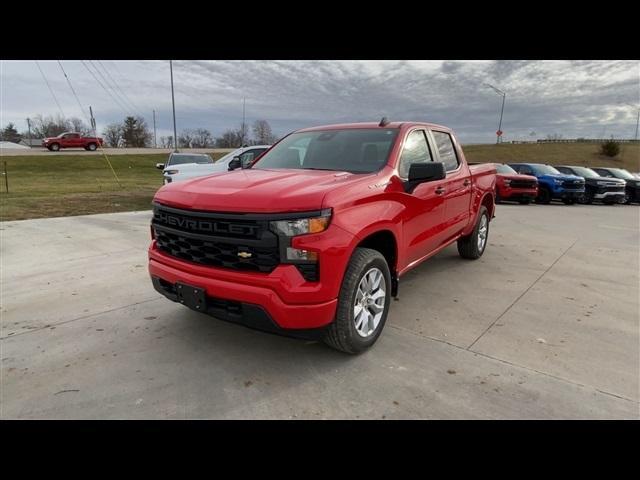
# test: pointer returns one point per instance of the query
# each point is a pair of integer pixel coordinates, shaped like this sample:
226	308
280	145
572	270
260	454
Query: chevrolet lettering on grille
206	225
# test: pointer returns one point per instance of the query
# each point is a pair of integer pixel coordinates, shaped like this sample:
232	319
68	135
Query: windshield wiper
326	169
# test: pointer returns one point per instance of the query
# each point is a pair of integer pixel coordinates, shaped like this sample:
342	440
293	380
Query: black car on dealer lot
605	189
632	192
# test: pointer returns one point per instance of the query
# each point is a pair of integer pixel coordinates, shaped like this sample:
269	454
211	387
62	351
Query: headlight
557	181
171	172
601	183
507	182
302	226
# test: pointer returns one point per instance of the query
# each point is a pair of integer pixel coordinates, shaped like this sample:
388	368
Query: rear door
457	185
424	212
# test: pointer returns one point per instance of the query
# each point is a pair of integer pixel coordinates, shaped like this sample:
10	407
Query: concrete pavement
545	325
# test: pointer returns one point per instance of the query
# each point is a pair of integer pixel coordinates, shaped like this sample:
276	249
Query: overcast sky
571	98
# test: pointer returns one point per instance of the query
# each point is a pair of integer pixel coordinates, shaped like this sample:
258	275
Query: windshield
506	169
545	170
180	158
622	173
585	172
362	150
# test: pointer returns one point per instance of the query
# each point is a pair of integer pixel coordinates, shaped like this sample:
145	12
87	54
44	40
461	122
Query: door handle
467	182
440	190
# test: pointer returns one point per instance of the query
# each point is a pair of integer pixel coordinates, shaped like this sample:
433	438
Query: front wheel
363	303
544	196
525	201
568	201
472	246
54	147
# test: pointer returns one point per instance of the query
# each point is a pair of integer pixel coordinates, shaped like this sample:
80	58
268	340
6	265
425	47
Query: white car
183	166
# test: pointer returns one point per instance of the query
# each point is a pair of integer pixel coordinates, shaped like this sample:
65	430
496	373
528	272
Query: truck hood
563	177
516	176
255	190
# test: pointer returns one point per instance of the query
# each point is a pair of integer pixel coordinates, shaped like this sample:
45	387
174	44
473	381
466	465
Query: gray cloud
572	98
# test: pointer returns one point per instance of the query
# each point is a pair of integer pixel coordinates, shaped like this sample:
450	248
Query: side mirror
424	172
235	163
160	166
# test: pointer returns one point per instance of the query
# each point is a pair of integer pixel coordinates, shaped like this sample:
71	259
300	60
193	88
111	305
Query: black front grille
523	183
573	184
218	240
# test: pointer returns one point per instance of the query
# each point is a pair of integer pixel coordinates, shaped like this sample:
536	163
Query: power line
73	91
104	88
120	99
50	89
135	107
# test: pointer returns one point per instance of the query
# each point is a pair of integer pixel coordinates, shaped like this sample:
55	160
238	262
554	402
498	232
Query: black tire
608	202
54	147
468	246
627	198
92	147
586	198
525	201
497	196
568	201
342	334
544	196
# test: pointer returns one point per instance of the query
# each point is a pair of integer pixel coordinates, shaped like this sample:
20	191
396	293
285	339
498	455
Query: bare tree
202	138
185	139
262	134
113	134
230	139
48	126
77	125
166	142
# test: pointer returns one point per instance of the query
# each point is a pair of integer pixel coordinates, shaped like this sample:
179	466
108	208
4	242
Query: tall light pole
504	96
173	103
29	127
637	119
244	127
155	143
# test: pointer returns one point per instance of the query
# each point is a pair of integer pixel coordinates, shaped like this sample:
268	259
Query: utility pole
173	103
93	122
244	127
637	118
504	96
29	128
155	144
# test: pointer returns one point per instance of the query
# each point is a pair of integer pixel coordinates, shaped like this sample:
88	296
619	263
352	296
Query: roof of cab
344	126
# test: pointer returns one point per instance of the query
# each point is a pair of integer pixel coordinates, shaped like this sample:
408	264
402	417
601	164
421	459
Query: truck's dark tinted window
564	170
416	150
447	153
356	150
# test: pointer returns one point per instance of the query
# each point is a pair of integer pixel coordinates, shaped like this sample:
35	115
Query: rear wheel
472	246
92	147
363	303
544	196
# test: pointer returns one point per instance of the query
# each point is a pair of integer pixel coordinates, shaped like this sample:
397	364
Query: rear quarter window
446	150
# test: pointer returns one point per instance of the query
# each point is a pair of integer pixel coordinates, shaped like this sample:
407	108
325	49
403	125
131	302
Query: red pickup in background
72	140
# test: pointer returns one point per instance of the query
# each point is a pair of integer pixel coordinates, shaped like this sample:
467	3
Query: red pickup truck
514	186
72	140
312	239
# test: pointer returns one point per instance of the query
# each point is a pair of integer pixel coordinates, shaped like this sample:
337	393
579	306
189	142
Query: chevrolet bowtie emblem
244	255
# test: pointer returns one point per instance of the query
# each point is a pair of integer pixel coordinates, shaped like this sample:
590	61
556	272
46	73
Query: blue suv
552	184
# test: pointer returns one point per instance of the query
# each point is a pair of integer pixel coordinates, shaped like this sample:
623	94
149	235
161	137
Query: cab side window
447	151
416	150
564	170
523	169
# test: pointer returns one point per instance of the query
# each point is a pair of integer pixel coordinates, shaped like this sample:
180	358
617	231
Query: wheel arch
385	242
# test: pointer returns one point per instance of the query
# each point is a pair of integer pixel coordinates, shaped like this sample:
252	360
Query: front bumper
613	196
569	194
508	193
288	300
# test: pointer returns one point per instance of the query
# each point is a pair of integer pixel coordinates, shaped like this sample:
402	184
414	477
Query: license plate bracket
192	297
